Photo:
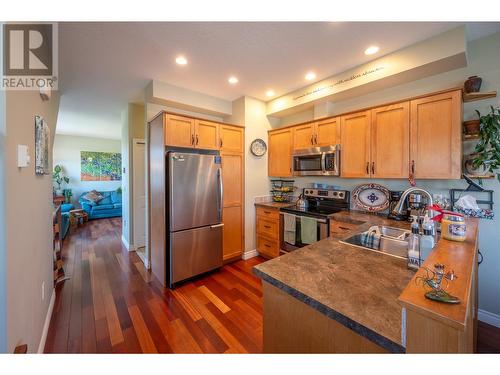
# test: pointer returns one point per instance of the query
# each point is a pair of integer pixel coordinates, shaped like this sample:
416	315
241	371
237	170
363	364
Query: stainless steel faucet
399	206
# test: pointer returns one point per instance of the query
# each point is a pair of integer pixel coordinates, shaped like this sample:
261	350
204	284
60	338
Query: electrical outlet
43	290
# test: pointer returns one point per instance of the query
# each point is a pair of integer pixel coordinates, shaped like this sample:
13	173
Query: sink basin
393	241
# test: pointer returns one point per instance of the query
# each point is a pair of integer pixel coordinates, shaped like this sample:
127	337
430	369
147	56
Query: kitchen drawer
271	213
341	228
267	247
269	228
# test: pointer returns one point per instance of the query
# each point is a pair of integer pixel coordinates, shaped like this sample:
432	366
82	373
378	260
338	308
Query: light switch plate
23	156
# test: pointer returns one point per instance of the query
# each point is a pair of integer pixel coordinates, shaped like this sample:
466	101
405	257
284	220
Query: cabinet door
179	131
232	238
206	135
303	136
232	178
327	132
390	141
436	135
280	153
231	138
355	141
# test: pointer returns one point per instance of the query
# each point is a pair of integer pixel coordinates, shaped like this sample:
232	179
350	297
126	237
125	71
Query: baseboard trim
250	254
46	325
128	246
488	317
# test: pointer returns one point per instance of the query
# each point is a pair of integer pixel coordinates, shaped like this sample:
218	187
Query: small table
78	217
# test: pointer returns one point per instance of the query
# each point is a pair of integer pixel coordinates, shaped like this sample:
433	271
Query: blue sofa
110	206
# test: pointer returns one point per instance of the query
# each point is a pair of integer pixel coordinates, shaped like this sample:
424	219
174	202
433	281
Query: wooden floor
112	304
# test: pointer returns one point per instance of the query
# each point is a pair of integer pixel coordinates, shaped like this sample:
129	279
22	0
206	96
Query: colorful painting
100	166
42	135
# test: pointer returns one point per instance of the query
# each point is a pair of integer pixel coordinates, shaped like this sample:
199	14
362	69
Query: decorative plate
371	197
258	147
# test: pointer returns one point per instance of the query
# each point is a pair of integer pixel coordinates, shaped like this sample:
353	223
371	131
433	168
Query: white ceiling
103	66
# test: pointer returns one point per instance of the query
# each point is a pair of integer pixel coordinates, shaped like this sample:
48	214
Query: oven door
322	232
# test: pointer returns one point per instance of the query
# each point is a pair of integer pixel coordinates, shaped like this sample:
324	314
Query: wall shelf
486	176
471	137
473	96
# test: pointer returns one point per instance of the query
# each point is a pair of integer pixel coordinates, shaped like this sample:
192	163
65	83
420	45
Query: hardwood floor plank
141	330
214	299
186	304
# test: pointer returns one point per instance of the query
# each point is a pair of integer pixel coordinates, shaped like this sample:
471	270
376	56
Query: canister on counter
453	226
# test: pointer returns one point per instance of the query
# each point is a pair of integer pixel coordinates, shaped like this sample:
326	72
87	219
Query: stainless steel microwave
317	161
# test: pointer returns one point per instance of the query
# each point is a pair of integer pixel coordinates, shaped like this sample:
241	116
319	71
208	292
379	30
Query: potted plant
67	193
487	151
59	178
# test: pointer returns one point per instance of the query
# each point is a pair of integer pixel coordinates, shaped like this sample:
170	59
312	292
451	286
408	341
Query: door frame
135	142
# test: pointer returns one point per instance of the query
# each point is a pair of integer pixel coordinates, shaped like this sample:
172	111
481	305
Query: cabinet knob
312	139
367	167
192	139
373	167
196	139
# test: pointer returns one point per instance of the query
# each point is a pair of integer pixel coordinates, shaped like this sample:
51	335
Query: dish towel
289	228
308	230
371	238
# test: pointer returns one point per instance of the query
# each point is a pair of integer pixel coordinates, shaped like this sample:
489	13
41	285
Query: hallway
112	304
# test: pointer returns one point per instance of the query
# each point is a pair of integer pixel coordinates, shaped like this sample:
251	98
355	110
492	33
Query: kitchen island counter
358	289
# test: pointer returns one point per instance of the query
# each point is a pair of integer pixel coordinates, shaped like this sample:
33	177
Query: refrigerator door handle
221	193
216	226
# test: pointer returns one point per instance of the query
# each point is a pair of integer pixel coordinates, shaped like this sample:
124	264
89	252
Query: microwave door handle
323	162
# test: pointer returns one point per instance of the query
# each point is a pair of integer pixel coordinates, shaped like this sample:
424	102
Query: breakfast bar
349	299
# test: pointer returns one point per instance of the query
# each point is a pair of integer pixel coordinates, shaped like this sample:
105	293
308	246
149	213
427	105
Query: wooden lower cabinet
232	244
268	231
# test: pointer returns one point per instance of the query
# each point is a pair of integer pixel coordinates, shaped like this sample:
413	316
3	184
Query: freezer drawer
195	251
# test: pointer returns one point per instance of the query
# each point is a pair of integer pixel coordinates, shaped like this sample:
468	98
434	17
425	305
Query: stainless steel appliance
194	214
317	161
322	203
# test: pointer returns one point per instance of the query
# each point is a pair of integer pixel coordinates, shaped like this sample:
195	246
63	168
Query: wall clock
258	147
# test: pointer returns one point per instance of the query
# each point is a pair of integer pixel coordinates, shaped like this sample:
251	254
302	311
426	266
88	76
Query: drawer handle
266	245
344	228
267	226
267	212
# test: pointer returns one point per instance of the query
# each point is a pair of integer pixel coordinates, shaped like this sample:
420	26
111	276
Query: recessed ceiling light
270	93
310	76
371	50
181	60
233	80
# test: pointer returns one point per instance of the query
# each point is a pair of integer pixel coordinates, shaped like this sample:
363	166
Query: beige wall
28	226
483	57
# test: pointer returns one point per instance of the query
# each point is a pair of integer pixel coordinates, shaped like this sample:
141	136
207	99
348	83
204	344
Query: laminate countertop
276	205
365	290
358	288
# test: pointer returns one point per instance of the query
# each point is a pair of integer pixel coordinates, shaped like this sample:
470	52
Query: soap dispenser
414	260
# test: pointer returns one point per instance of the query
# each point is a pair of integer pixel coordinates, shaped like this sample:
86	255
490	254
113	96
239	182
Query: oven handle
322	221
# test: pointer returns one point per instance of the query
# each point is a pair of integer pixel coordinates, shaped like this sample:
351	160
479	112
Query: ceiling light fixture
181	60
310	76
371	50
270	93
233	80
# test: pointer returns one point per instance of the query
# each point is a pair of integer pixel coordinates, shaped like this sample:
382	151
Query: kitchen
332	174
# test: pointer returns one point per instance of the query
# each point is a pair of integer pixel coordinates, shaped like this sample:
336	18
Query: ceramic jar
473	84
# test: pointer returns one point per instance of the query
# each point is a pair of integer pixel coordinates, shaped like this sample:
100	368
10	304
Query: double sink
393	241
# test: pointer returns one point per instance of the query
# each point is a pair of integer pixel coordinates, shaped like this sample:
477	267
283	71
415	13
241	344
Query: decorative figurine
434	280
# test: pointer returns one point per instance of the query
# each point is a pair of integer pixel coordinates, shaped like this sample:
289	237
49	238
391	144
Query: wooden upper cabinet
436	136
390	141
303	136
355	141
231	138
206	135
280	153
327	132
179	131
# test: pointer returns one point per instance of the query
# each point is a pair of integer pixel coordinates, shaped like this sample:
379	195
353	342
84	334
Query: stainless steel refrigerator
194	214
